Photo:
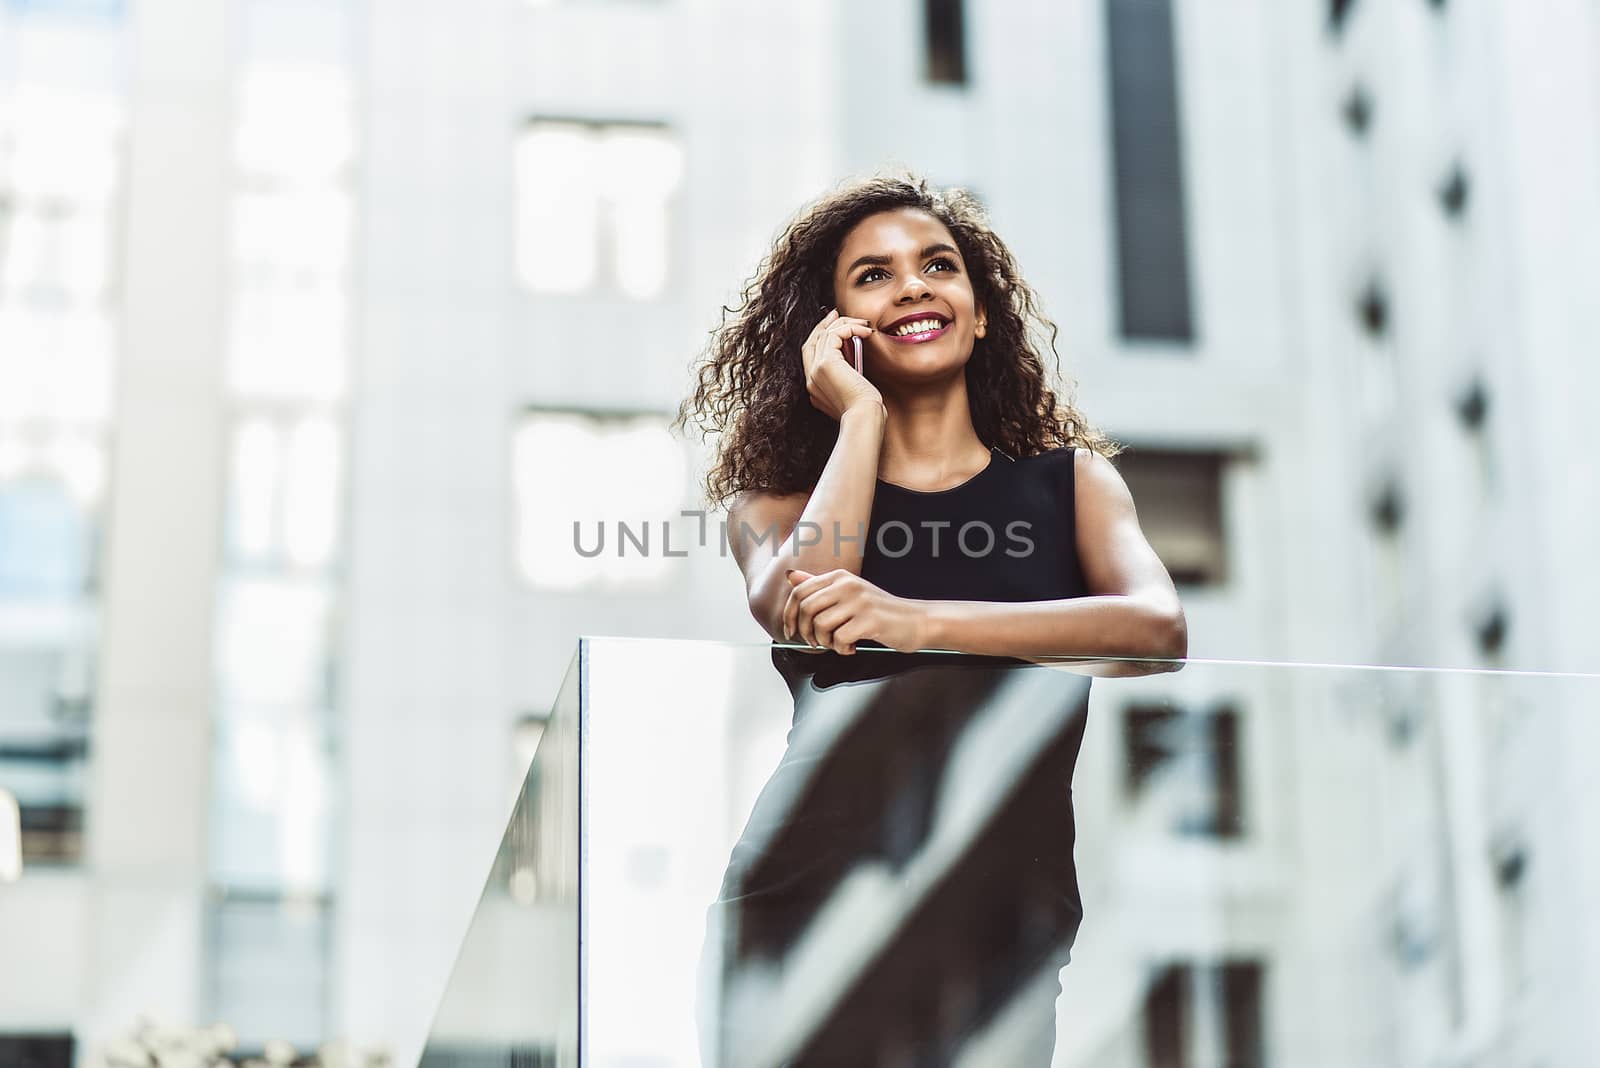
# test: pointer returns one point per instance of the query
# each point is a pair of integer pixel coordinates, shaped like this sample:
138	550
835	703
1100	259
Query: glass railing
512	998
735	855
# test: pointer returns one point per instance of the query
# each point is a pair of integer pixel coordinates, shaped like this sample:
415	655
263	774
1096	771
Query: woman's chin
922	366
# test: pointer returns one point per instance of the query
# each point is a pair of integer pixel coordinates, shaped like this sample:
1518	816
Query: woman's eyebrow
883	261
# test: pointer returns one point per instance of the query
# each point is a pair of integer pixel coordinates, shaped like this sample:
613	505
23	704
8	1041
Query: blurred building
322	321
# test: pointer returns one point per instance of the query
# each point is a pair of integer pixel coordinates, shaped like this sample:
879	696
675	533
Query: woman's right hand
832	381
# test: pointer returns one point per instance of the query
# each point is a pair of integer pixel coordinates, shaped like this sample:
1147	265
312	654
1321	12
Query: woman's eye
870	272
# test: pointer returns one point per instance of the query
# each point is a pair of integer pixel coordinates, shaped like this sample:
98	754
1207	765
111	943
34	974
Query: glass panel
803	858
512	998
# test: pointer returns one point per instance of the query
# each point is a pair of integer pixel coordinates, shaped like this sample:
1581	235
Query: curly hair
751	389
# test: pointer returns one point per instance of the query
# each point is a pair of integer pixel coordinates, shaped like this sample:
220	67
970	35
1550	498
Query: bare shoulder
1097	482
756	519
1115	555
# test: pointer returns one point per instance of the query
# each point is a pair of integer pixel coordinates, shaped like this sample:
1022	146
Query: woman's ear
983	322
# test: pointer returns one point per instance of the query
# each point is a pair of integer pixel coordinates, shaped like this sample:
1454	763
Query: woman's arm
1133	608
1107	627
823	532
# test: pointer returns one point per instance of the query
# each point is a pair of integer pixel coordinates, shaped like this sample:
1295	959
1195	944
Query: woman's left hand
836	609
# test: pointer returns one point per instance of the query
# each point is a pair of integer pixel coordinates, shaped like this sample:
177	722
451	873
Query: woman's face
898	268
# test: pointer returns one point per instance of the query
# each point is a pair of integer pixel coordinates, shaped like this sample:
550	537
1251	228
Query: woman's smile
917	338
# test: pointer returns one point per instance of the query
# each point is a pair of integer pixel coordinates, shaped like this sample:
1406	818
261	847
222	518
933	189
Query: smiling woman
950	378
938	497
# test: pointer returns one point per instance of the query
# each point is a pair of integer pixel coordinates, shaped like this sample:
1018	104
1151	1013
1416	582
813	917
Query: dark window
1241	1006
1172	1003
1372	309
36	1051
1152	246
487	1055
1197	753
52	834
1357	110
44	747
1220	756
1166	1019
1147	742
1472	404
1388	507
1490	628
947	47
1178	495
1454	192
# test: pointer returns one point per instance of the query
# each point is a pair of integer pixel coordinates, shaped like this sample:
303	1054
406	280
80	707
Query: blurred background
321	321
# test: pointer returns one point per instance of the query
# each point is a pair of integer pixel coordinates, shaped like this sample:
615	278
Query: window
1166	1024
1151	239
284	491
46	542
44	748
946	41
1372	309
36	1051
1179	498
594	206
62	125
275	760
291	233
1186	763
1357	110
1454	192
593	493
1225	995
1339	14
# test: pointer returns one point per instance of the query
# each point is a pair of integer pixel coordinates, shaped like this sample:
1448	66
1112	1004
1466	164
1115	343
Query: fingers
826	611
791	606
810	607
840	326
827	622
846	636
806	599
844	328
809	346
827	321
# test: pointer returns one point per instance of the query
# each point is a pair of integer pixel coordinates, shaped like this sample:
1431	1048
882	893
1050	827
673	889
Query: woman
809	443
937	496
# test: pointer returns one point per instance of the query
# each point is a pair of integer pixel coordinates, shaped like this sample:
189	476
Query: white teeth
917	327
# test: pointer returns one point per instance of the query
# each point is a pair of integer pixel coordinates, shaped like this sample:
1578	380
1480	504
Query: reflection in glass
908	869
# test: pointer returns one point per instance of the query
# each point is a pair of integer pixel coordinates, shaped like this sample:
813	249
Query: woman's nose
914	289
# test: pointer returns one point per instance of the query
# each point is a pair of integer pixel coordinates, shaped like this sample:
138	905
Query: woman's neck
930	442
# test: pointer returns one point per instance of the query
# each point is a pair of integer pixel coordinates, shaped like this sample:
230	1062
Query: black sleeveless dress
1005	534
889	754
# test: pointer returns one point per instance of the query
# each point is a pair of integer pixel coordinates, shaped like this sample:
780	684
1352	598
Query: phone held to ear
857	343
